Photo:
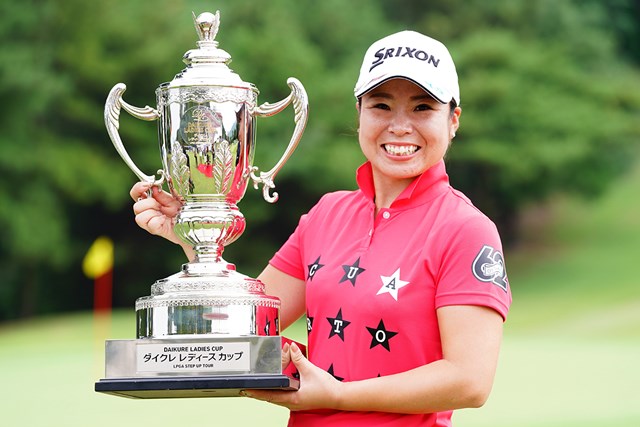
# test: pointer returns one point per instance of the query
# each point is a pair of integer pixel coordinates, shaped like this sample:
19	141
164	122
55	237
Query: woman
402	281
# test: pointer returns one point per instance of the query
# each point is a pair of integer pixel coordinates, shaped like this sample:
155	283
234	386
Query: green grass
571	353
48	368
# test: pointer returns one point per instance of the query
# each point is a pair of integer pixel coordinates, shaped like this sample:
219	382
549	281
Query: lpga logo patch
489	267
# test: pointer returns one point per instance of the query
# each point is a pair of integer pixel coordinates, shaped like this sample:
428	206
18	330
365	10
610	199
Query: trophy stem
209	253
209	262
209	223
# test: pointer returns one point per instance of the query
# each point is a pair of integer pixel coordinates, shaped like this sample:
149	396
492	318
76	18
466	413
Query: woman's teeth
400	150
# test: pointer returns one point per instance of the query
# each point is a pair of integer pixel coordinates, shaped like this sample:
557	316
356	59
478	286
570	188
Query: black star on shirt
351	272
330	371
313	268
380	336
338	324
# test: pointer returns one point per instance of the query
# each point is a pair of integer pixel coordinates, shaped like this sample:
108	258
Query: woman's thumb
297	357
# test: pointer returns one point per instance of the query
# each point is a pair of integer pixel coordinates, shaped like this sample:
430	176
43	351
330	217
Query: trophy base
197	366
177	387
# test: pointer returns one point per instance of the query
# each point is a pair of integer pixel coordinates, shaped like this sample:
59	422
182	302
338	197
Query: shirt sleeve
472	269
288	259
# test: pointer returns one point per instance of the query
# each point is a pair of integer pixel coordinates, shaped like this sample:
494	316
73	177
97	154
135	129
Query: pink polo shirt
373	284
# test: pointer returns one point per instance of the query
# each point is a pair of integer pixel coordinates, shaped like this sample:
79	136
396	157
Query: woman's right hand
156	213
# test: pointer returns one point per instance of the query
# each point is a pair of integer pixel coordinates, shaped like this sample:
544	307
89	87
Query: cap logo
396	52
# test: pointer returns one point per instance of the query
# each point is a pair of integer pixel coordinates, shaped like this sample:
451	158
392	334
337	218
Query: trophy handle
111	120
301	109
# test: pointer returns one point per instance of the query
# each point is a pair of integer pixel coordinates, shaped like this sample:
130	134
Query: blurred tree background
549	94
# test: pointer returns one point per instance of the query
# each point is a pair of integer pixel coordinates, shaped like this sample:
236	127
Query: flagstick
102	299
98	265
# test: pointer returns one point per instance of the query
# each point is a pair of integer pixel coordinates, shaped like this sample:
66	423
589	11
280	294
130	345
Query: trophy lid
207	65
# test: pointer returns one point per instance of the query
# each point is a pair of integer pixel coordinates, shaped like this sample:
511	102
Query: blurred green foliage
547	93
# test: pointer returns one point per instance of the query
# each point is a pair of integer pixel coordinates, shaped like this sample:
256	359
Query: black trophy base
194	386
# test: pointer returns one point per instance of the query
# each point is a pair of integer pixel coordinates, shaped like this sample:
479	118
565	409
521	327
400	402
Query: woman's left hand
318	388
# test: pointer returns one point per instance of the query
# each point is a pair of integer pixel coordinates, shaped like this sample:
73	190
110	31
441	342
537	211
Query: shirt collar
424	188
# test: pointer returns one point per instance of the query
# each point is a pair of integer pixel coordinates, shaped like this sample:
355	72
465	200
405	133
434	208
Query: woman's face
403	130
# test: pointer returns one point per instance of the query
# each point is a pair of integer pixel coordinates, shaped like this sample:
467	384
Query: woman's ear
455	122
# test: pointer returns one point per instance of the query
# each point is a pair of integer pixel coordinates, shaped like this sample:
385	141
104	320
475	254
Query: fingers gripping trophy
206	330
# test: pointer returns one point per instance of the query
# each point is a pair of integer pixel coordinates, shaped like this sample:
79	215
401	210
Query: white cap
412	56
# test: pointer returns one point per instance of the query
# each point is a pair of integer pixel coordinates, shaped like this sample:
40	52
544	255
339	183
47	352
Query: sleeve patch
488	266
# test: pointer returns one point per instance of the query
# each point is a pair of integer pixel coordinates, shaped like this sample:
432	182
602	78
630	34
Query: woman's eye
381	106
423	107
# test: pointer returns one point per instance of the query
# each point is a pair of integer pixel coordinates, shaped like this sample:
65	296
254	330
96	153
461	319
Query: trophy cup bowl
207	330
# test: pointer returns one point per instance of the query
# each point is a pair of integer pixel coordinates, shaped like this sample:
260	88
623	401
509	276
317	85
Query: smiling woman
402	281
403	132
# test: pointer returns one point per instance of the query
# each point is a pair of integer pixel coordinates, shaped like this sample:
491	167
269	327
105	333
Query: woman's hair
452	108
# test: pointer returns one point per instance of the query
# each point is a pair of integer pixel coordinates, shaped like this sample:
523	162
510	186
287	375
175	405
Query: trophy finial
206	55
207	25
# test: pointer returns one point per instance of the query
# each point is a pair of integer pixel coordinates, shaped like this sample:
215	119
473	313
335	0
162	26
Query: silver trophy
207	330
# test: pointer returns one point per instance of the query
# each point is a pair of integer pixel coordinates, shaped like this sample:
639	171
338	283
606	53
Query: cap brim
369	87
